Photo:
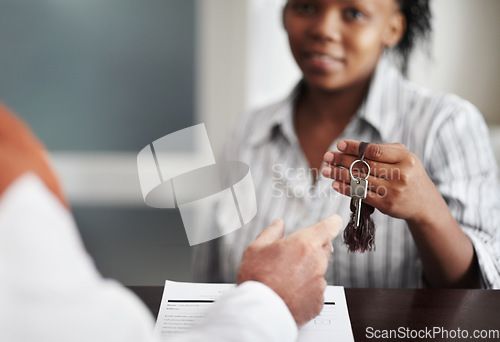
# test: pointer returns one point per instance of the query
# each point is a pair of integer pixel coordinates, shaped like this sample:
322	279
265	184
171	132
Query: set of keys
359	234
359	188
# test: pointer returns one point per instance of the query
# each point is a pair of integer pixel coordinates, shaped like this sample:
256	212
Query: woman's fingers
385	153
377	169
398	184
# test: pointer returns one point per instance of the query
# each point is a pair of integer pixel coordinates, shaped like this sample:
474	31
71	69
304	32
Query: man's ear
395	30
22	152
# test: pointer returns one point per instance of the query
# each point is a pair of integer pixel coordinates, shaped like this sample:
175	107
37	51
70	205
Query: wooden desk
381	309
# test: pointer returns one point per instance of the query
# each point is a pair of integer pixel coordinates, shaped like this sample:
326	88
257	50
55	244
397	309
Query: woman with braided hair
432	177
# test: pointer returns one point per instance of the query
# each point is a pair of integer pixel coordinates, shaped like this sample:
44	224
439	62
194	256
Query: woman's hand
398	184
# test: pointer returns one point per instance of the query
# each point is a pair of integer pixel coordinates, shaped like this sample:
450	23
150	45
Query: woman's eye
304	8
352	13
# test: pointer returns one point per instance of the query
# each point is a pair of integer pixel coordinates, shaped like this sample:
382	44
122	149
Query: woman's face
337	43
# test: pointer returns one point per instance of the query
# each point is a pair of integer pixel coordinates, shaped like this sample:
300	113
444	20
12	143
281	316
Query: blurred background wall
99	79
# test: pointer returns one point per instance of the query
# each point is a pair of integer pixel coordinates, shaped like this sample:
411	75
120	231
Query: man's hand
294	266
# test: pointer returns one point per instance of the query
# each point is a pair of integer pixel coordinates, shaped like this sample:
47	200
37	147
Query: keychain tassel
361	239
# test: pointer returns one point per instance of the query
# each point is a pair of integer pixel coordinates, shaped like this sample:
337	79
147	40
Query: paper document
184	304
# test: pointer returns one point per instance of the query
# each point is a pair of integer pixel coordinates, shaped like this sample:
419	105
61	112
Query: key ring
359	161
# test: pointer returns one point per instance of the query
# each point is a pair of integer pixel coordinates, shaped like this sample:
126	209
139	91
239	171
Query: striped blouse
447	133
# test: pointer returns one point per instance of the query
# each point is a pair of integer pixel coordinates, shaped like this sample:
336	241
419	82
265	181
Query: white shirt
50	290
448	135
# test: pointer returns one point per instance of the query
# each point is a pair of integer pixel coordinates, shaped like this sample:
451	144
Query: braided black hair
418	29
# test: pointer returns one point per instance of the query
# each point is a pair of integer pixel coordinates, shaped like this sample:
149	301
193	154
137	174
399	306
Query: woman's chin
324	84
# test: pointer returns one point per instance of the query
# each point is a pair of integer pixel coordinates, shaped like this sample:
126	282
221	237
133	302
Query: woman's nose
327	27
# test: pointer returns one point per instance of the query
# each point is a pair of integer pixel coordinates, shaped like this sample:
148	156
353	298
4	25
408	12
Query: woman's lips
323	62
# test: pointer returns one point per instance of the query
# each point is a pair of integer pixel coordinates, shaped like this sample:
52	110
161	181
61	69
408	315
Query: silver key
359	188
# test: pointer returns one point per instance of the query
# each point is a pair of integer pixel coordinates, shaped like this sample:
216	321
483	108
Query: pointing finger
327	229
271	234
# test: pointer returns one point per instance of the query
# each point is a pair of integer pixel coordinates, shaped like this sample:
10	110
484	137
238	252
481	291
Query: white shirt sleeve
50	290
249	312
462	165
